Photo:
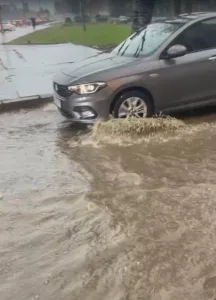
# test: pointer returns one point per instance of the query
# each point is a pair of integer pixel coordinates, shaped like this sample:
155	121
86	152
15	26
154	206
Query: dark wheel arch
129	89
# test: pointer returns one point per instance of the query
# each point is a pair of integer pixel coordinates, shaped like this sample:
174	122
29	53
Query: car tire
137	104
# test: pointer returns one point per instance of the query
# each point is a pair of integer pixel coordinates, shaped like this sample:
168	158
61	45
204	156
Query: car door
191	79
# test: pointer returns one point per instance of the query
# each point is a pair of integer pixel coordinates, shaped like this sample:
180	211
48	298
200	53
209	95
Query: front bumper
84	109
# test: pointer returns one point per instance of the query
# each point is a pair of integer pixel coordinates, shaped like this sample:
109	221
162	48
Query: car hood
97	64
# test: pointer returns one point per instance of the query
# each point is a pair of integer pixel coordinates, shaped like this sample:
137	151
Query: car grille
62	90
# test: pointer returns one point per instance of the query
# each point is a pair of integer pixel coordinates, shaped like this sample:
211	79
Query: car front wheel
133	104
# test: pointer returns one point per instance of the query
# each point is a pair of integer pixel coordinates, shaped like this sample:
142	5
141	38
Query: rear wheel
133	104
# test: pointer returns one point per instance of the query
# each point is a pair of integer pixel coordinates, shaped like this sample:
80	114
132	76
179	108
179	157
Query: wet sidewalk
26	72
21	31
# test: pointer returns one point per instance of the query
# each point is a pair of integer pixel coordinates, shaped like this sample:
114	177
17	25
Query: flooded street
81	221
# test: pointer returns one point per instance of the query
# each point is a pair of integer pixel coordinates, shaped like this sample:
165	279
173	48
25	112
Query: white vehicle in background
7	26
123	19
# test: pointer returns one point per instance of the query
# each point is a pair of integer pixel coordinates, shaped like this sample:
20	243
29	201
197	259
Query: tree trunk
1	20
177	4
142	11
82	15
74	5
135	15
146	11
188	5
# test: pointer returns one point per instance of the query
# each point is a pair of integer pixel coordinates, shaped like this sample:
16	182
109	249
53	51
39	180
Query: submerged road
84	221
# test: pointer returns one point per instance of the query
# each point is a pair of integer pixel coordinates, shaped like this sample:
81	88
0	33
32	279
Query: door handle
212	58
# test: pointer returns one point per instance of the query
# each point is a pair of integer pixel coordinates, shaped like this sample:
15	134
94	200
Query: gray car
167	66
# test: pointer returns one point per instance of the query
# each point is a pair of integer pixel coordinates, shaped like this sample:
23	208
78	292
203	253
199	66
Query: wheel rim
133	107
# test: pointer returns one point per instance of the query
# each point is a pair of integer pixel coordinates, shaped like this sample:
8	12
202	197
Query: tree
182	6
146	11
177	4
74	5
142	11
118	8
135	15
188	6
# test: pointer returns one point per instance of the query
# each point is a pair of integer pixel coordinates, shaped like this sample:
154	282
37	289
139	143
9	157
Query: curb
24	103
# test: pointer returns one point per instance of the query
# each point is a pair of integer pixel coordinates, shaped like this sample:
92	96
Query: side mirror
176	51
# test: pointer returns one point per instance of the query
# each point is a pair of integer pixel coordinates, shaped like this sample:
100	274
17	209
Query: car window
198	37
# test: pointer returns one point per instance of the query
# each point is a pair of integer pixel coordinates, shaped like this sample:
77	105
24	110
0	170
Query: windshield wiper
131	38
125	50
140	46
138	32
121	46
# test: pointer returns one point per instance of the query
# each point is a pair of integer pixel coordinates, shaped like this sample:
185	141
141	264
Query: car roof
186	18
197	15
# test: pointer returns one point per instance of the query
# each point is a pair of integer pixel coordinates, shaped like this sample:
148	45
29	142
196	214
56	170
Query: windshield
154	35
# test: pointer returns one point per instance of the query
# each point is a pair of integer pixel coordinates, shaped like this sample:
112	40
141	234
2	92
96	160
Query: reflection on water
86	221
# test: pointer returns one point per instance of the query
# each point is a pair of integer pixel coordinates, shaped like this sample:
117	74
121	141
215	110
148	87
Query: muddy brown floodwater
111	222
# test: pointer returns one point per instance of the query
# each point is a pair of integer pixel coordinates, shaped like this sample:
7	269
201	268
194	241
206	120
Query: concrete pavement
27	71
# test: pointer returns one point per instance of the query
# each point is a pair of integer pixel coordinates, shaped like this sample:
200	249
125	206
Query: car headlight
87	88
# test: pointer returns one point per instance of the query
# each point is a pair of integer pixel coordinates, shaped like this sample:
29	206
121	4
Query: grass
96	34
